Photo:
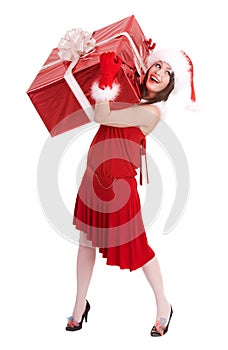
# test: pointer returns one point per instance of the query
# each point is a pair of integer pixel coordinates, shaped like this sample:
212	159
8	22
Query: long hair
162	95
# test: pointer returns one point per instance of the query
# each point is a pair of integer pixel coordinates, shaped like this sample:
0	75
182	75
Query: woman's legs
85	263
153	274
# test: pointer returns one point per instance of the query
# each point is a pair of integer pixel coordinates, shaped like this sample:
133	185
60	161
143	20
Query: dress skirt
108	211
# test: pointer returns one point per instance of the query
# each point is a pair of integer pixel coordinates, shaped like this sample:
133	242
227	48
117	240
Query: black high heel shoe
159	328
73	325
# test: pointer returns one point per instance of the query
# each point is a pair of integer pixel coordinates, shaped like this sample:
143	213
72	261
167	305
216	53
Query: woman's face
158	78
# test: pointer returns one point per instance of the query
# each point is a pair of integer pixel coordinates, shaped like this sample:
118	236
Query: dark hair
162	95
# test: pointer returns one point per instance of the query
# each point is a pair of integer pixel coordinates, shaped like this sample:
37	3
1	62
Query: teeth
155	79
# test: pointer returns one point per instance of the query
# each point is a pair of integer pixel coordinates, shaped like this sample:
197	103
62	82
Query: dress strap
143	153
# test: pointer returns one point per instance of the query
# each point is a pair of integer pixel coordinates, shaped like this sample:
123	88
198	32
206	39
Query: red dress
107	207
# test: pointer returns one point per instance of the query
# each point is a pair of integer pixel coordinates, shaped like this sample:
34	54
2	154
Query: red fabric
108	206
191	70
110	64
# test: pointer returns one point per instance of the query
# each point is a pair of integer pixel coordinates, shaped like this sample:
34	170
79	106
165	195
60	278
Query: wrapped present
61	92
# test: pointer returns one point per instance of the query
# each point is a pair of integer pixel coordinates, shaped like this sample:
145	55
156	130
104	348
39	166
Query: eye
158	65
168	72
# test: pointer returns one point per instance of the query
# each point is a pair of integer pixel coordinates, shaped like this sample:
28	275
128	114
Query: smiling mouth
154	79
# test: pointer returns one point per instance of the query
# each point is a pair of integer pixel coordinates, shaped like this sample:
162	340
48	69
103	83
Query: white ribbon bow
75	43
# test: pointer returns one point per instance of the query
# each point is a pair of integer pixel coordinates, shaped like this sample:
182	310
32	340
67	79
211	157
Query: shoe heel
86	311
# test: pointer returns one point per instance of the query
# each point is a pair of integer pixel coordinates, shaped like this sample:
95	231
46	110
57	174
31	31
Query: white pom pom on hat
182	67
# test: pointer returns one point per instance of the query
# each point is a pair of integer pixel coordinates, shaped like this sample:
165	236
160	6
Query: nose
157	70
160	71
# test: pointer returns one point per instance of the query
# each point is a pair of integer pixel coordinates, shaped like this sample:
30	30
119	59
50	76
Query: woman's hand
110	64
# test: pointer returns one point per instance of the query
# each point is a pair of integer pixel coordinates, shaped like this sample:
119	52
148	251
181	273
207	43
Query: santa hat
181	66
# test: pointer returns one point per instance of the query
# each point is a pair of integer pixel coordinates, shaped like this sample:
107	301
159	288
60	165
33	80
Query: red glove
110	64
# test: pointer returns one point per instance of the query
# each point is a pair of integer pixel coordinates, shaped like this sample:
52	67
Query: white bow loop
75	44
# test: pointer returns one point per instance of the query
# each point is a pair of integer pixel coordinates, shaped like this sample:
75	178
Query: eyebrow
169	67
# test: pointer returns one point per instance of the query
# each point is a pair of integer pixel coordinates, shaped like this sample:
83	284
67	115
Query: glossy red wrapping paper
52	97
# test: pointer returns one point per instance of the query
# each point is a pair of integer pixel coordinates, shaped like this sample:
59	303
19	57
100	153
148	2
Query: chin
153	91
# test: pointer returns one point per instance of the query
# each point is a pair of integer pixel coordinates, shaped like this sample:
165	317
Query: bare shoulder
152	118
153	109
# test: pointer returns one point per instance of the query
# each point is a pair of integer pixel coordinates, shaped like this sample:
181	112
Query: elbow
101	112
97	119
98	115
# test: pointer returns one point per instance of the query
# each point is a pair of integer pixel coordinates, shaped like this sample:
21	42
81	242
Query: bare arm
145	117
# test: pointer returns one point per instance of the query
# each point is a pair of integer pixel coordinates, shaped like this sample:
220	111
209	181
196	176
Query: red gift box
61	95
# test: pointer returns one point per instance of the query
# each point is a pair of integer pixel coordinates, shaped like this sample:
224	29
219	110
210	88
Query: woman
107	209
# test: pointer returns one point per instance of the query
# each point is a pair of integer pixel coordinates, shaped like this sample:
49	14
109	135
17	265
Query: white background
38	265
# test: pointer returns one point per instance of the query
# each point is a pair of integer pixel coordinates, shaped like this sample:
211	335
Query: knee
83	241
